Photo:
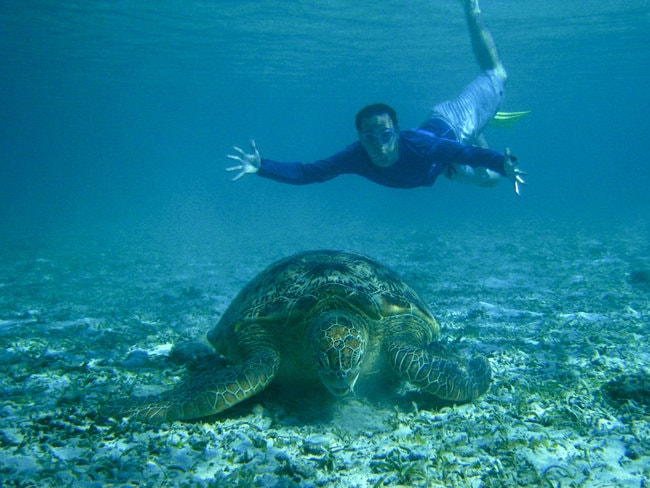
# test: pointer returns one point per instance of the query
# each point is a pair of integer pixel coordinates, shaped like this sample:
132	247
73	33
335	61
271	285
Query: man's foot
471	6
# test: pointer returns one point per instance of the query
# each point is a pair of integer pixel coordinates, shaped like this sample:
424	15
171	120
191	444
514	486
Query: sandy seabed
563	316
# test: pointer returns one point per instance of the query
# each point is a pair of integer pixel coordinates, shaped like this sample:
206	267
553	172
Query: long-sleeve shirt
423	156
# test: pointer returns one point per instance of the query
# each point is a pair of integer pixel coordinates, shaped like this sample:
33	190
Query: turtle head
339	343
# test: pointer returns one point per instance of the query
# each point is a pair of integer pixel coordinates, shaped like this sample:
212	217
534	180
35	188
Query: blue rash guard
423	156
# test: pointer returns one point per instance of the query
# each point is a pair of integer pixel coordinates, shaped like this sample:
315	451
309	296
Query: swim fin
507	119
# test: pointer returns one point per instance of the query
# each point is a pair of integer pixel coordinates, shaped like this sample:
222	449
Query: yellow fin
507	119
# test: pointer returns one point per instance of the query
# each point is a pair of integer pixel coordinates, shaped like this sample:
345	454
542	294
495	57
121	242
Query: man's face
379	138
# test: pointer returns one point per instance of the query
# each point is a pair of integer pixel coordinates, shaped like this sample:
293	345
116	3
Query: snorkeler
450	142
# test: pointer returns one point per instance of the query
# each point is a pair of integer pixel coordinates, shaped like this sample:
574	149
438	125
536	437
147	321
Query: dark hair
374	110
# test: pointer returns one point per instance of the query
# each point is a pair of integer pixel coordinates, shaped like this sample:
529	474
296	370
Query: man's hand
248	162
513	172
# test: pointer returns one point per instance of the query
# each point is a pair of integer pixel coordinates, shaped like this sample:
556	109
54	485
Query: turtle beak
339	392
339	386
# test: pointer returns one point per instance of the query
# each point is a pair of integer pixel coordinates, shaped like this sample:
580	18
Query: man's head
378	130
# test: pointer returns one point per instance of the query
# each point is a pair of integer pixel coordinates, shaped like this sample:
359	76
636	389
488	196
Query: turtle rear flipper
208	393
440	377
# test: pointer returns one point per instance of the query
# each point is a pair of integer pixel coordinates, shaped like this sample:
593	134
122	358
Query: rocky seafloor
563	316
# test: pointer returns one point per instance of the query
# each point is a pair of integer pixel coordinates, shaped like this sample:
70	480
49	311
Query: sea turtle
325	315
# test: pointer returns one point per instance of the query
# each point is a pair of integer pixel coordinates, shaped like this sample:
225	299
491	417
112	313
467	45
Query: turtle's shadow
310	404
296	404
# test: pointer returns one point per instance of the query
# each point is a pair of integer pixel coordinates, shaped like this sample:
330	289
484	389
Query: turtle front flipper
440	377
210	392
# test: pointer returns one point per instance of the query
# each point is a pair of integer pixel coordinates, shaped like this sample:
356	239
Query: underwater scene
127	251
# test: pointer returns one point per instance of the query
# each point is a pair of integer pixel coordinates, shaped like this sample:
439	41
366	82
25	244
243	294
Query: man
448	143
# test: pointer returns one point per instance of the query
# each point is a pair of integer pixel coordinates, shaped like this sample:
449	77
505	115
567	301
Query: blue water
116	116
121	232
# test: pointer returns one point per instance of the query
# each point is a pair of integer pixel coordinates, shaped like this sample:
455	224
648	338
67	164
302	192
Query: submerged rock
634	387
186	353
640	278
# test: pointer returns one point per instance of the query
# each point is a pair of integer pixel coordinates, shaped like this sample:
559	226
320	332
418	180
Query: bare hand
248	162
513	172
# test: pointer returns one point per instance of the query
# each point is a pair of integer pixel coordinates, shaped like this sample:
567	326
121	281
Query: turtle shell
279	302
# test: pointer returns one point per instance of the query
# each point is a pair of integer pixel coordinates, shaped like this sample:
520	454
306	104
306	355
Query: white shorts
472	110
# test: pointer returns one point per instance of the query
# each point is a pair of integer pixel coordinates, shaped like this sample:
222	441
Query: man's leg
472	110
475	107
483	44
